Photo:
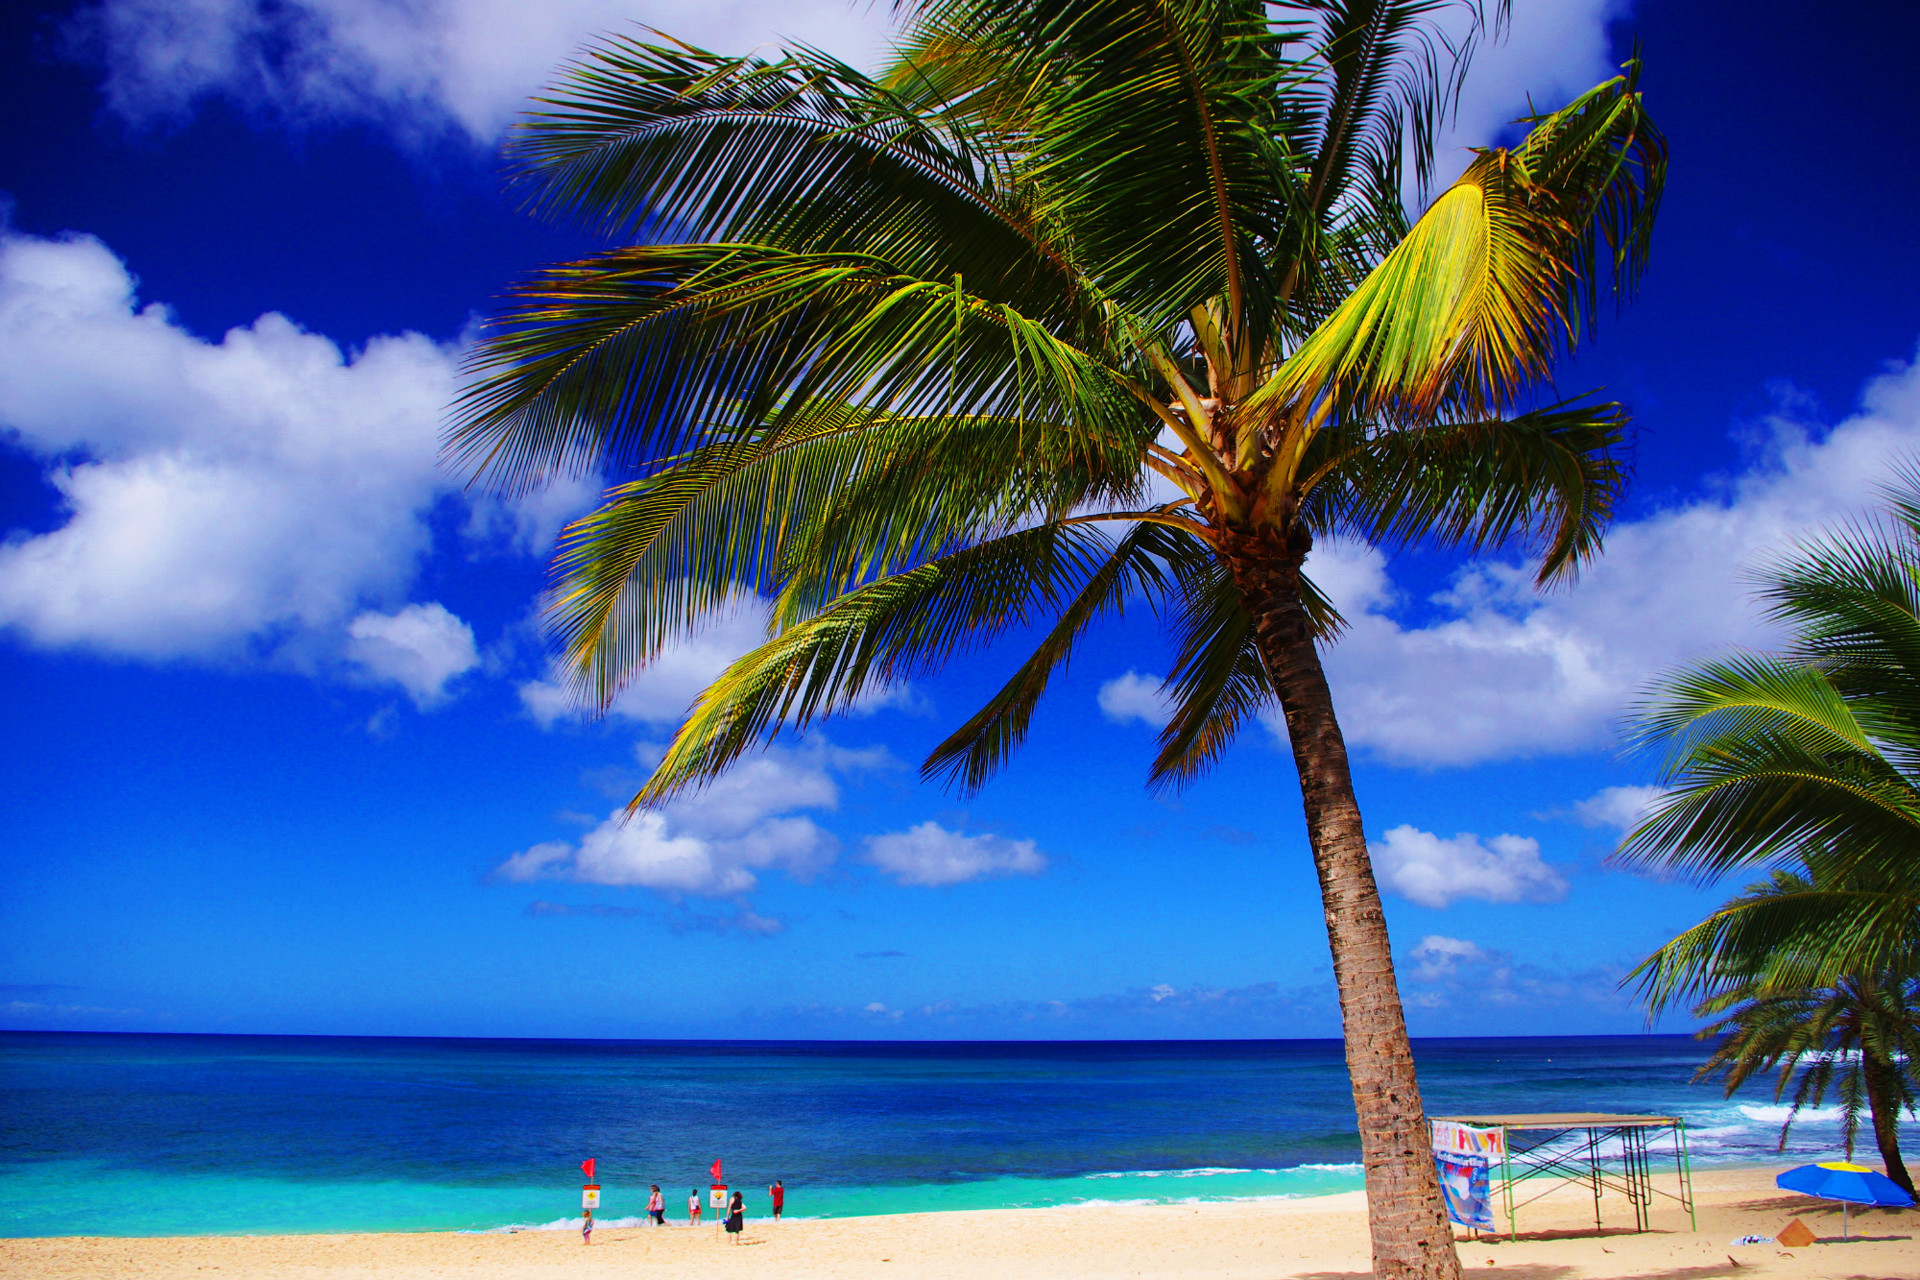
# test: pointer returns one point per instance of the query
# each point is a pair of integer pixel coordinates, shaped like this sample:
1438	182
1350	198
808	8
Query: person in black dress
736	1216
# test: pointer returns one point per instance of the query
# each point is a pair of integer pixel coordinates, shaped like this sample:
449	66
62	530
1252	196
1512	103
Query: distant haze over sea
154	1135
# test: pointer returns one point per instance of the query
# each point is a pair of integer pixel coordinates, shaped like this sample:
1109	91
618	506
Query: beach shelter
1850	1184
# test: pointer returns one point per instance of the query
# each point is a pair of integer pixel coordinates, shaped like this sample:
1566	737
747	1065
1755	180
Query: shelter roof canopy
1564	1120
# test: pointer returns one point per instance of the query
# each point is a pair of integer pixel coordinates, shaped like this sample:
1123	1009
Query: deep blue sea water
157	1135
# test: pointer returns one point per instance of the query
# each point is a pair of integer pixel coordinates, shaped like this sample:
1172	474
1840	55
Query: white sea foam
1221	1172
1778	1114
1106	1203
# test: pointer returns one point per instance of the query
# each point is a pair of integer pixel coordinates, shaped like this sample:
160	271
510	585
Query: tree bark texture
1412	1237
1882	1104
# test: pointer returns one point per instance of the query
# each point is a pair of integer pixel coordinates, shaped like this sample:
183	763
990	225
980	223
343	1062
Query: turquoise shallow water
82	1197
155	1135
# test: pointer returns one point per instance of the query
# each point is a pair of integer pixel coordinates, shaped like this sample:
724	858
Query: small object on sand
1735	1261
1752	1240
1796	1235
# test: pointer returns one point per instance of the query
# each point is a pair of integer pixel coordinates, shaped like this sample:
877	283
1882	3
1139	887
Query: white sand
1315	1239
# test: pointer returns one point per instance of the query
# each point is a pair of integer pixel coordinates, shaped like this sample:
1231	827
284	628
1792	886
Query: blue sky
282	757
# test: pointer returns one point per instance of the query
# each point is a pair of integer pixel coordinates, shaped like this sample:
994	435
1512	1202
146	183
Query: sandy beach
1314	1239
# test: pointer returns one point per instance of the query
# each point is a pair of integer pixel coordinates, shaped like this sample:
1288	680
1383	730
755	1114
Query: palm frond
1552	474
874	636
645	352
1146	561
1496	279
1218	678
834	496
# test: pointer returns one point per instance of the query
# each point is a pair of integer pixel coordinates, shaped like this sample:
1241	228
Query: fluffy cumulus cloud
1618	808
418	64
1424	868
1490	669
715	842
1134	697
1437	956
244	496
931	855
420	648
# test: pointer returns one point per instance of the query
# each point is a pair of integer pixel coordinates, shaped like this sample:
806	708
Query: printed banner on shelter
1467	1186
1464	1155
1469	1140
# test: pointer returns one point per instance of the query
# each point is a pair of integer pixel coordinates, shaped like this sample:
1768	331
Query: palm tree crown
1082	304
1809	758
1857	1034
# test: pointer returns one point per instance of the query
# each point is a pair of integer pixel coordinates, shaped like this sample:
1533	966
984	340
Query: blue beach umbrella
1850	1184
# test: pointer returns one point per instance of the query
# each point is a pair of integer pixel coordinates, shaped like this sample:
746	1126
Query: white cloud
220	497
1621	808
1498	670
254	498
1426	869
420	648
712	842
1438	956
660	692
1552	51
932	856
1134	697
470	63
474	63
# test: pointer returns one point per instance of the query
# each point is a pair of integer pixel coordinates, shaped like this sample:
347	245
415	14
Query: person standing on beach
778	1194
693	1207
737	1216
657	1207
586	1227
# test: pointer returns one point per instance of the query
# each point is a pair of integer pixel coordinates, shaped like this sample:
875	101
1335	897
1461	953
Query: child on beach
693	1207
656	1207
586	1227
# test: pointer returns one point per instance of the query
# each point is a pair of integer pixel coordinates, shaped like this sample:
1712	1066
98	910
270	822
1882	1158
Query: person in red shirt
778	1194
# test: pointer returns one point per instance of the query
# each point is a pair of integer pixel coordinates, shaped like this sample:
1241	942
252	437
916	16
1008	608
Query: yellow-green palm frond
1495	279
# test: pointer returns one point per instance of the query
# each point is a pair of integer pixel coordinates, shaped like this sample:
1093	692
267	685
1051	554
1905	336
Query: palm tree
1859	1033
1086	302
1809	758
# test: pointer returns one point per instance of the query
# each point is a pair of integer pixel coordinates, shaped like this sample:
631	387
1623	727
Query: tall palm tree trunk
1407	1217
1884	1106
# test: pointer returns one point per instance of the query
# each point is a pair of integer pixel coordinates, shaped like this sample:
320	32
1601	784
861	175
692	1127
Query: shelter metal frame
1534	1146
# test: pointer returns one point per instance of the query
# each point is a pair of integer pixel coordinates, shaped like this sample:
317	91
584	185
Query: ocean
136	1135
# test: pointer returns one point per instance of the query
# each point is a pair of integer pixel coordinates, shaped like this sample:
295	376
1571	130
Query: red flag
586	1167
716	1171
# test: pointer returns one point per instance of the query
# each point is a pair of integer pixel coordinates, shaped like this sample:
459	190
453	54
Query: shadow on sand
1560	1233
1543	1271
